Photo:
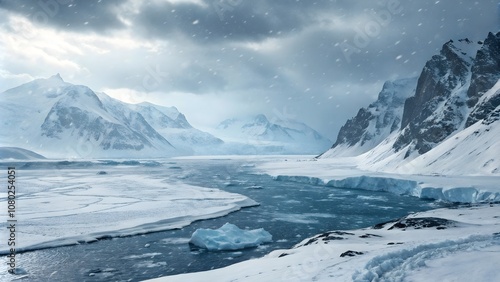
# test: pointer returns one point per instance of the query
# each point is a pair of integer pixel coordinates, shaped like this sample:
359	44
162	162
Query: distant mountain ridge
60	119
376	122
278	136
170	124
449	122
18	154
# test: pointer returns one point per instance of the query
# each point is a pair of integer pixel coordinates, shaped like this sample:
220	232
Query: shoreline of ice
367	254
152	227
344	173
72	206
424	244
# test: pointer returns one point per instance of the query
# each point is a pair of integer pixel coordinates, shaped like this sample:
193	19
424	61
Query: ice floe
461	244
229	238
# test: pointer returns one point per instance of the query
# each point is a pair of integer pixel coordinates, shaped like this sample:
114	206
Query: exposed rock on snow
373	124
350	254
423	222
388	254
450	124
229	238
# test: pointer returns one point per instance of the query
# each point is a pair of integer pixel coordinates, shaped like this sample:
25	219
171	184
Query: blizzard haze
316	61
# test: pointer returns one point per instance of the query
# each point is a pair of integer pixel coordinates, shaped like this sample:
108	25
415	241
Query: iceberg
229	238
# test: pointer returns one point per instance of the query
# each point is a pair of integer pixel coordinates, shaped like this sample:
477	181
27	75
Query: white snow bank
344	173
396	265
455	268
405	187
385	254
229	238
393	185
57	207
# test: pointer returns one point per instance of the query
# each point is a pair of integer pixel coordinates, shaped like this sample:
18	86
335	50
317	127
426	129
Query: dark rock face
423	222
436	86
439	77
488	110
328	236
353	131
350	254
84	124
79	114
486	70
485	73
449	96
368	235
384	114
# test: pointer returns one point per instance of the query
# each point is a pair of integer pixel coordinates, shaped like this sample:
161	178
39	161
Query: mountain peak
56	76
261	119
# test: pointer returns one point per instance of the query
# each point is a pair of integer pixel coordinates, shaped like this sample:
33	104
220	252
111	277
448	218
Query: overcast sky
316	61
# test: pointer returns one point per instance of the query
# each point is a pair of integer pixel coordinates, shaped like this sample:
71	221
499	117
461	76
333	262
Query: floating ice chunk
229	237
254	187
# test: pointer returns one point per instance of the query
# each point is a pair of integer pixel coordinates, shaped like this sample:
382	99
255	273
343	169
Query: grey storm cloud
321	60
73	15
221	20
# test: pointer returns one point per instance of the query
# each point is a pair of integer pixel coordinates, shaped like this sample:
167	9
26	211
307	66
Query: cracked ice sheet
469	251
69	206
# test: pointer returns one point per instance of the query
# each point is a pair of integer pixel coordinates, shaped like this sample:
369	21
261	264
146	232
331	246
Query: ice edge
397	186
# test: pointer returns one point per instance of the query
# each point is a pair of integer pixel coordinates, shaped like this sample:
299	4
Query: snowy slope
439	107
277	137
474	150
440	245
376	122
59	119
173	125
449	126
18	154
76	122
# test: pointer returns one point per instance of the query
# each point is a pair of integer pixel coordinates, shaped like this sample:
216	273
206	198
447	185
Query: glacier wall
414	188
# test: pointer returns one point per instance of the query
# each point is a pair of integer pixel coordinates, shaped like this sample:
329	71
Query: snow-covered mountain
59	119
449	124
13	153
172	125
276	137
376	122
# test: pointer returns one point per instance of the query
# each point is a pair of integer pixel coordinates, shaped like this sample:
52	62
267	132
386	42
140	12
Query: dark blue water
290	211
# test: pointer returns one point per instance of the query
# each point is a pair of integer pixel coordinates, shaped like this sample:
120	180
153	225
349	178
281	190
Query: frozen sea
290	211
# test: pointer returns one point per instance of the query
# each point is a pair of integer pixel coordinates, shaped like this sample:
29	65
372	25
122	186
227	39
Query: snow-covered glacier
422	187
348	172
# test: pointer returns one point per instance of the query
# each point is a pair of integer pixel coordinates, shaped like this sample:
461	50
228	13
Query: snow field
65	207
385	254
